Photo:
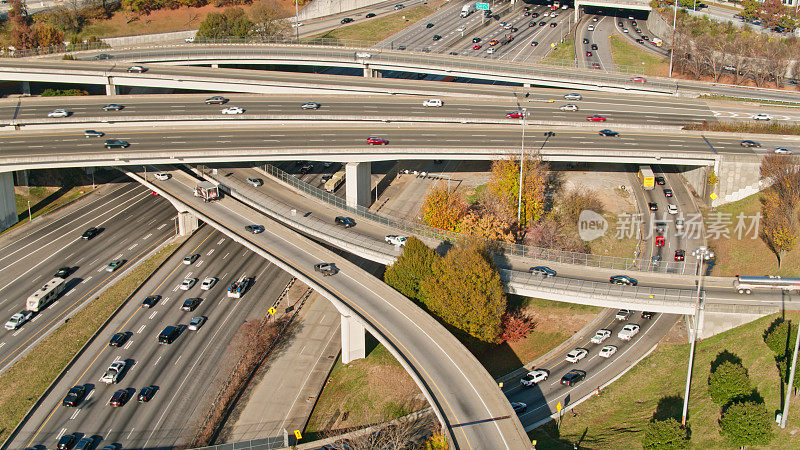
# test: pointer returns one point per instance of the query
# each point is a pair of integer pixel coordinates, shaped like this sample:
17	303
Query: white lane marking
87	279
129	434
91	393
164	302
128	345
159	359
210	252
75	414
147	236
153	314
226	255
176	361
139	331
220	241
161	226
61	433
199	263
133	246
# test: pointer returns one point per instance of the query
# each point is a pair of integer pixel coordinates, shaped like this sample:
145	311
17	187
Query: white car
601	336
113	372
590	28
233	110
190	259
188	283
189	40
196	323
490	50
297	24
782	151
573	96
576	355
433	102
256	182
623	314
628	331
162	176
672	209
18	319
396	240
569	107
762	116
58	113
625	30
208	283
460	29
311	105
534	377
607	351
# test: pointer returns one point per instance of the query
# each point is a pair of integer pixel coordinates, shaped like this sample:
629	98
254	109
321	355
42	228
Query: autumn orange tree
485	224
504	185
779	204
443	208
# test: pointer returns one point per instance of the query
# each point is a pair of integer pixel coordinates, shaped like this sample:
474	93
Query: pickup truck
396	240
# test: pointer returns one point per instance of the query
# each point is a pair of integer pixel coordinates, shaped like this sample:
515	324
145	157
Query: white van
433	102
363	55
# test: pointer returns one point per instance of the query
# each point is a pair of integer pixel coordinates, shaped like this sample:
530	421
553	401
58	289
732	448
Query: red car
639	80
596	118
659	241
595	65
514	115
377	141
588	53
476	47
680	255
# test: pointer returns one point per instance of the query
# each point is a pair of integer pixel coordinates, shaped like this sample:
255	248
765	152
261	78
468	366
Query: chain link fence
509	249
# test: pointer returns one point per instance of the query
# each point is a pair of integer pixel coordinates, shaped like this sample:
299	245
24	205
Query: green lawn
380	28
563	53
26	381
626	54
615	419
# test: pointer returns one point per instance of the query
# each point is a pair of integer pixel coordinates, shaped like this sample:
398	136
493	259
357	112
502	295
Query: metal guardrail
524	251
252	444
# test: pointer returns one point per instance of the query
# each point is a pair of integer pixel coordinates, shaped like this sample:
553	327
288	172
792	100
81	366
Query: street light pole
672	46
29	211
785	414
521	164
702	254
296	26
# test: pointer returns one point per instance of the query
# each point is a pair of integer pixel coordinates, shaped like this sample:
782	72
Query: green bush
664	435
63	92
746	424
728	382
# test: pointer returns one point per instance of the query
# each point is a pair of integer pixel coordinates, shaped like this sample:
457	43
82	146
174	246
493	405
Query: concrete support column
187	223
8	204
26	88
353	339
370	72
357	183
111	88
21	180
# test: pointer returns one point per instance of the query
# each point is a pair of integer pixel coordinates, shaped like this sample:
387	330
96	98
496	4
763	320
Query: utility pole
521	164
785	414
296	23
672	46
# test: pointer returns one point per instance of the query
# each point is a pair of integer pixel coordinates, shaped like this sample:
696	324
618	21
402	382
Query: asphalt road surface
182	371
133	222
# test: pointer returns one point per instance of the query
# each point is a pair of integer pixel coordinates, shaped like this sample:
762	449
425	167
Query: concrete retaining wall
739	177
697	178
320	8
8	204
659	26
149	38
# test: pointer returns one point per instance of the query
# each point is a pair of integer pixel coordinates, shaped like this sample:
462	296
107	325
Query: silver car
58	113
310	105
573	96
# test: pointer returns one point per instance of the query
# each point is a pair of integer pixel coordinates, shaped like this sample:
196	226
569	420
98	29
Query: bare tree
268	20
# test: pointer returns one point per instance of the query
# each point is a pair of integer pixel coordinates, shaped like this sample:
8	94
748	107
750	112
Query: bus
335	181
744	284
555	6
44	296
647	178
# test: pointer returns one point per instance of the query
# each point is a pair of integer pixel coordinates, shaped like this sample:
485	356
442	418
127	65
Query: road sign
298	435
272	311
713	196
484	6
558	407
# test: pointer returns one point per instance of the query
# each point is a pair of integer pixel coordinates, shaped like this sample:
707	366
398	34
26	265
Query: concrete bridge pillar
26	88
370	72
187	223
8	203
353	339
111	88
357	183
21	180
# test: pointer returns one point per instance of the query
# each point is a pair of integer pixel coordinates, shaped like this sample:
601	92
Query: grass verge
746	255
626	54
743	99
561	53
369	390
380	28
745	127
617	417
27	380
612	245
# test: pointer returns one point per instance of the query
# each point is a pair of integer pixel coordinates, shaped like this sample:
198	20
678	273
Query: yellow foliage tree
504	185
486	225
443	208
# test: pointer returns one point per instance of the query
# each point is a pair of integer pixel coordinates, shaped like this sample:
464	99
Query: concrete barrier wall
320	8
659	26
149	38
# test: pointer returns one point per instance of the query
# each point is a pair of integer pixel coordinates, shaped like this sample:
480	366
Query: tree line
779	203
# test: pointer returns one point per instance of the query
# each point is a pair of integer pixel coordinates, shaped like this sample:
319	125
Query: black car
594	46
346	222
216	100
401	47
255	229
118	339
74	396
90	233
542	23
347	20
585	41
535	15
680	255
93	133
168	335
648	315
519	407
102	56
145	394
63	272
113	107
573	377
661	181
191	304
667	192
608	133
119	398
475	40
66	442
429	25
370	15
749	143
87	443
653	206
151	301
543	271
623	279
305	170
117	143
436	37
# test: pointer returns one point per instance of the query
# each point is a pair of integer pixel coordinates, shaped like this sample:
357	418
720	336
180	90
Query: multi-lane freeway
133	223
179	403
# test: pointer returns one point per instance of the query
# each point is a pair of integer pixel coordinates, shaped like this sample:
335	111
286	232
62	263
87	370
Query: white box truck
468	9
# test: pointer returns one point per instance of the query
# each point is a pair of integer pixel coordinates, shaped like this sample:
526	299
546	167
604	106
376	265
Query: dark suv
118	339
90	233
191	304
168	335
151	301
74	396
346	222
573	377
623	279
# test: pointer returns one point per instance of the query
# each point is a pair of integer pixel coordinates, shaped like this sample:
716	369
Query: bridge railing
509	249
